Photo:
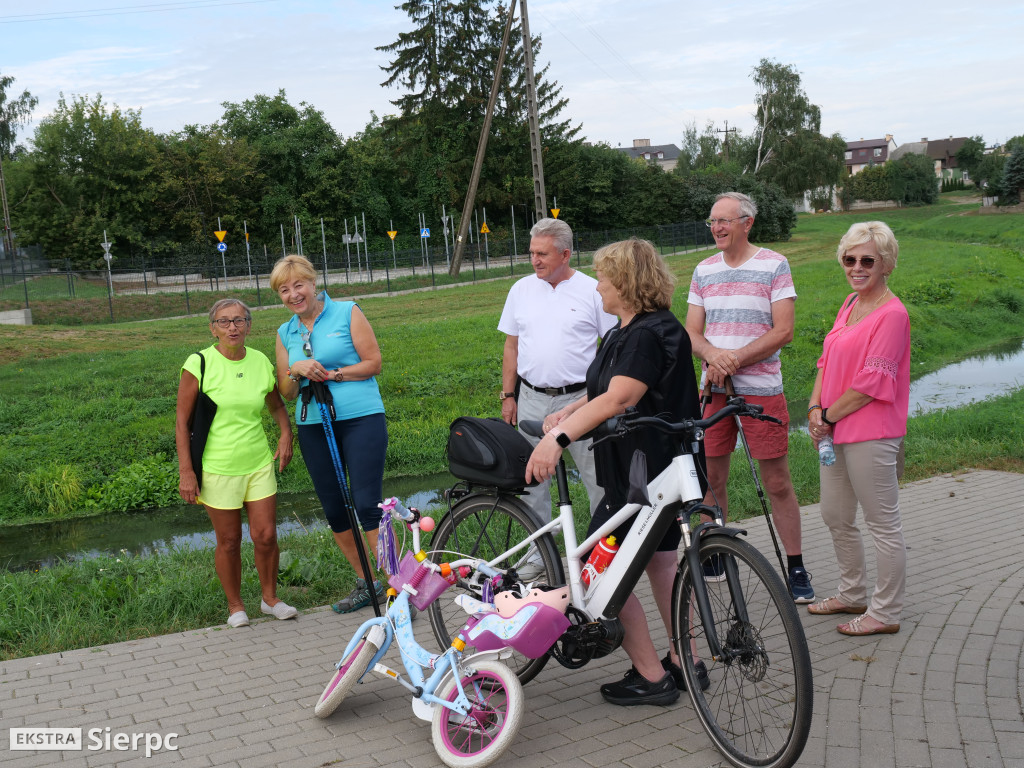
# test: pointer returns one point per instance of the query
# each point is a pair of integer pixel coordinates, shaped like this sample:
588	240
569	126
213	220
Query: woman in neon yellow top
237	464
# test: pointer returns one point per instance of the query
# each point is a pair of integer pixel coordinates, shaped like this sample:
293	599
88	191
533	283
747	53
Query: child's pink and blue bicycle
474	703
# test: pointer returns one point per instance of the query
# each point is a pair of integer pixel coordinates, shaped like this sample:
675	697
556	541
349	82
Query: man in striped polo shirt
741	310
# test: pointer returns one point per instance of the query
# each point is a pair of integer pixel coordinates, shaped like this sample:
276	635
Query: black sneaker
677	674
636	689
714	569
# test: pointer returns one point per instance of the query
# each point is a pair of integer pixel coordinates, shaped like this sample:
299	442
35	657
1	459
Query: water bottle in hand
826	451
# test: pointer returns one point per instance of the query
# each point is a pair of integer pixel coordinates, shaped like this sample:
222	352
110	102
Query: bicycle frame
415	659
674	490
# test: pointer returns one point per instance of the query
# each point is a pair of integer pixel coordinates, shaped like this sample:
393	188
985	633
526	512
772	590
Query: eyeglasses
238	322
865	261
725	222
307	346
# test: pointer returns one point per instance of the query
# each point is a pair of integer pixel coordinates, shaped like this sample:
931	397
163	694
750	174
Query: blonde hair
877	232
638	273
291	267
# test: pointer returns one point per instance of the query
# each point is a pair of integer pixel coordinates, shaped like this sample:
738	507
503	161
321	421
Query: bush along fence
189	283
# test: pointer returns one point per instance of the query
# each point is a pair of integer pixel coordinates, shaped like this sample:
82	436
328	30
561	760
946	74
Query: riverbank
88	412
113	598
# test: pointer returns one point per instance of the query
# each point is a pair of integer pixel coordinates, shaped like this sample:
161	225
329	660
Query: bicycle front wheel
758	707
484	526
480	737
344	679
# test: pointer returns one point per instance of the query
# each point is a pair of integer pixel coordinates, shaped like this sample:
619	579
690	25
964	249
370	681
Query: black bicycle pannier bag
488	452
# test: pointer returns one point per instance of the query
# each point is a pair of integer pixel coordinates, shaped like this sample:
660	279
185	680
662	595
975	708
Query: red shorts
766	439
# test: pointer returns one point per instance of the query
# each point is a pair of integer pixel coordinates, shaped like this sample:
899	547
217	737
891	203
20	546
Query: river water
998	372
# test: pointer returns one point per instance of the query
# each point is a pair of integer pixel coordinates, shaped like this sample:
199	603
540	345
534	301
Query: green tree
970	156
989	172
912	180
204	174
1012	182
789	148
14	112
92	168
301	157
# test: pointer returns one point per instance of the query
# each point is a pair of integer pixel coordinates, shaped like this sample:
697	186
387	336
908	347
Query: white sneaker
281	610
238	619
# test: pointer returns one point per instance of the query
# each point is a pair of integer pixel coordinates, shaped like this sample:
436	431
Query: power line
124	10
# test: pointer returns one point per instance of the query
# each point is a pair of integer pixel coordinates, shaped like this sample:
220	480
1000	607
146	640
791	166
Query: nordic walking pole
730	393
325	401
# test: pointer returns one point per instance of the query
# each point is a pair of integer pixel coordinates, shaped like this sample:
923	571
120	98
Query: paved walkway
945	691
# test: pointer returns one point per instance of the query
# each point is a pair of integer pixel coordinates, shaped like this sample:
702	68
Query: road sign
220	234
484	230
392	233
425	232
554	212
106	247
222	247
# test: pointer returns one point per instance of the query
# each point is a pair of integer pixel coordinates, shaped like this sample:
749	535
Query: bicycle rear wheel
484	526
758	707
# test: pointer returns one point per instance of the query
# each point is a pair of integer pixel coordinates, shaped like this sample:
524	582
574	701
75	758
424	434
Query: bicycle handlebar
620	426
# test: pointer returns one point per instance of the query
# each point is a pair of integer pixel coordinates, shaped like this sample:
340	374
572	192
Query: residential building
861	154
942	153
665	155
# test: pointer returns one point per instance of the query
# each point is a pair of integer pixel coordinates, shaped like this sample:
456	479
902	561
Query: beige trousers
867	472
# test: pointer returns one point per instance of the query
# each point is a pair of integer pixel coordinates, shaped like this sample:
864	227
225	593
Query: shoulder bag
199	428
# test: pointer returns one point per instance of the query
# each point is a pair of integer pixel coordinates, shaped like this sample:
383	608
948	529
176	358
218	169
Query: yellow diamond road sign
392	233
554	212
220	234
484	230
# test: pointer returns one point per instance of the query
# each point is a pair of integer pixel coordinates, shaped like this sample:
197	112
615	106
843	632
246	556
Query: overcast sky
630	68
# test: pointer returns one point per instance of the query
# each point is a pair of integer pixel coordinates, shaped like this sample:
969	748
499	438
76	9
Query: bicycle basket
428	585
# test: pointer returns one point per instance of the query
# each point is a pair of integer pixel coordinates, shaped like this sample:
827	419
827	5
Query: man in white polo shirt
553	320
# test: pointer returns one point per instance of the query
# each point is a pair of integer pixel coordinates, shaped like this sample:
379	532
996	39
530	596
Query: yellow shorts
231	491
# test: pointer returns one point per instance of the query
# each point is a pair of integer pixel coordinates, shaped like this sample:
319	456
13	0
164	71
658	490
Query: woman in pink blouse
861	397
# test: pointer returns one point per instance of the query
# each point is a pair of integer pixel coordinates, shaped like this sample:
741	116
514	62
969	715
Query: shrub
56	487
150	482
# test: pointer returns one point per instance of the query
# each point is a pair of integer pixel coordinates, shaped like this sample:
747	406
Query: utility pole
539	198
725	140
481	147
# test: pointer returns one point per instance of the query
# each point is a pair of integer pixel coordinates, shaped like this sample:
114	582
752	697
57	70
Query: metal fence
190	281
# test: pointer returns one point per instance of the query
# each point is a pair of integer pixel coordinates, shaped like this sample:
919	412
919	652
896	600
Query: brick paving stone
945	690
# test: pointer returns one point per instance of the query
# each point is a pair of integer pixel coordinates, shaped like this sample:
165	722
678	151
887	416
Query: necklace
871	308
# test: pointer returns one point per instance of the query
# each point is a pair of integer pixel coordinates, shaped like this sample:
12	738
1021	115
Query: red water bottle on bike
600	559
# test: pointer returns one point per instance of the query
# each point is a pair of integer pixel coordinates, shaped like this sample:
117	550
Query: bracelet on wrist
824	417
812	408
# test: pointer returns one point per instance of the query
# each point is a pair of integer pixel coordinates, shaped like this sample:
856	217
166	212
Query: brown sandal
831	605
857	628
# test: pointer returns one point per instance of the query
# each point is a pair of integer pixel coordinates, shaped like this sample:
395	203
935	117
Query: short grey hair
556	229
876	232
219	305
747	206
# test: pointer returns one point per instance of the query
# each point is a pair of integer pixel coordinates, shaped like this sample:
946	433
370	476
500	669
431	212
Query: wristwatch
560	437
506	395
338	375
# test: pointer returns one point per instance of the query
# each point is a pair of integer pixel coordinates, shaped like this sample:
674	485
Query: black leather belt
555	391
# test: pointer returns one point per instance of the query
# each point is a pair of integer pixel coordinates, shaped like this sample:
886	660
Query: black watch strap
563	439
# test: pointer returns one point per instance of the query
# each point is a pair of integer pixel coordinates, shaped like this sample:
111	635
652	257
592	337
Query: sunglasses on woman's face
307	347
865	261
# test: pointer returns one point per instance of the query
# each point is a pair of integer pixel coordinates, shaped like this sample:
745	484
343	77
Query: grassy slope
98	399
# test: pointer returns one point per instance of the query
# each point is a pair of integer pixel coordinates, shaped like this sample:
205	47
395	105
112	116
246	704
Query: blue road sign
425	232
222	247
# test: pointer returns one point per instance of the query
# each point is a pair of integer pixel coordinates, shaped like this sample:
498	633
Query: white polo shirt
558	328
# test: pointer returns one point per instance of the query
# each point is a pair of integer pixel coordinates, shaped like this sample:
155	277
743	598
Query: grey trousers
537	405
866	472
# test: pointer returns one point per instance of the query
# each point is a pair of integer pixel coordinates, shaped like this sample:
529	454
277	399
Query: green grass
87	411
